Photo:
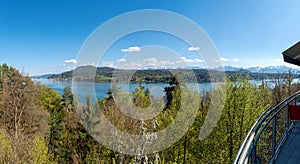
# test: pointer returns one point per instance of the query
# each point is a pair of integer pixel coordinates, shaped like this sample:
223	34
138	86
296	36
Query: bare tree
22	111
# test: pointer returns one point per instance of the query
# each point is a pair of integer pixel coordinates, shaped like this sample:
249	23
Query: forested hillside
105	74
40	126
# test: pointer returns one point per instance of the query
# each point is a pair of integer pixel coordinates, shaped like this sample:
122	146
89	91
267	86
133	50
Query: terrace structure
275	136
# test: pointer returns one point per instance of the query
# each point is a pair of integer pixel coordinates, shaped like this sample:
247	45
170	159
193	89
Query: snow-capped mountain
273	69
269	69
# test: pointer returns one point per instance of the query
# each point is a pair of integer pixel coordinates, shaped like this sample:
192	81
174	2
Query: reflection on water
99	90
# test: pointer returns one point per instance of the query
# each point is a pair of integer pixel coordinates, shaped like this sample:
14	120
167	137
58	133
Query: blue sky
46	36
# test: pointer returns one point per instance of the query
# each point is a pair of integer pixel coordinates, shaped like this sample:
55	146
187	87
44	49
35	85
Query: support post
274	135
287	118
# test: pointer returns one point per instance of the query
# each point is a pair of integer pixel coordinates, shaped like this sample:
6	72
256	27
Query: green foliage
39	152
68	99
51	99
6	147
67	140
171	91
105	74
21	114
57	130
141	97
34	152
243	104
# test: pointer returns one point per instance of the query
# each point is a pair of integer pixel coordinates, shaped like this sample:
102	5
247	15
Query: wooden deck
290	153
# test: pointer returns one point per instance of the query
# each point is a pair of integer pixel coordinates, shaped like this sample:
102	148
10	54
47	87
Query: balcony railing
268	134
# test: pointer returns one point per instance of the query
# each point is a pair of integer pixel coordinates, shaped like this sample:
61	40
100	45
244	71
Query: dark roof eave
291	60
290	55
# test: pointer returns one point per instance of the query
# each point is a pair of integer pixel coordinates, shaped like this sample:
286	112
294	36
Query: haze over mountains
106	74
269	69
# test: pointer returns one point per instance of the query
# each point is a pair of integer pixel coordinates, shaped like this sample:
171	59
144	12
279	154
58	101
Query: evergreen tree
173	85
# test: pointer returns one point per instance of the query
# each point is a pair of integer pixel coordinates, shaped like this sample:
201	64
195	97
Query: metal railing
267	135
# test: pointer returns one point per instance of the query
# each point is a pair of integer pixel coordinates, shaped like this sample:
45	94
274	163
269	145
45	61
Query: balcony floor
290	153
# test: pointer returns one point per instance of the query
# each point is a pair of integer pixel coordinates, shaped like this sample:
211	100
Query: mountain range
269	69
106	74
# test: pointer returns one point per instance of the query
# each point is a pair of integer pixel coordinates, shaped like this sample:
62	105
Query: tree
51	100
21	113
113	90
141	97
173	85
57	130
68	99
243	104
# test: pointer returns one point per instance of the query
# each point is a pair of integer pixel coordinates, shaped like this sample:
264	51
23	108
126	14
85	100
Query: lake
100	89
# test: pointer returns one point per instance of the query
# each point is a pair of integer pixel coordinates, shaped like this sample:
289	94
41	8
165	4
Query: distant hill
273	69
107	74
269	69
43	76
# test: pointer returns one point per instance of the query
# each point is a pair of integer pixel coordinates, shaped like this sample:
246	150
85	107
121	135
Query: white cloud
191	60
148	62
166	62
107	64
194	48
198	60
132	49
222	59
235	60
154	62
187	60
74	61
121	60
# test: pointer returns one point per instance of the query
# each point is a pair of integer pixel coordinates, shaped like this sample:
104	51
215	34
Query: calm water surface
99	90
